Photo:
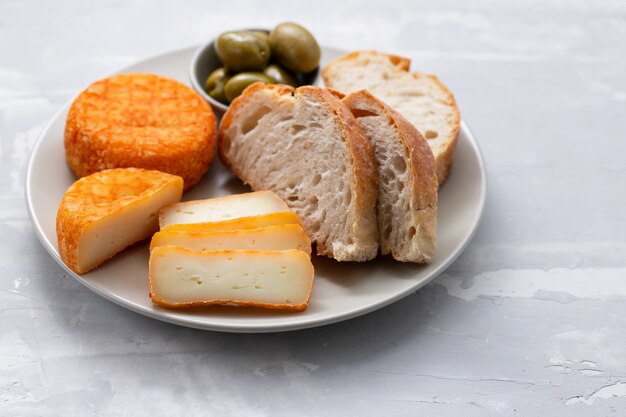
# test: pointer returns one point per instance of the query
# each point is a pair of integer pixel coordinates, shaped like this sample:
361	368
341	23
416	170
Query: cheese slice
243	223
282	237
222	208
182	277
105	212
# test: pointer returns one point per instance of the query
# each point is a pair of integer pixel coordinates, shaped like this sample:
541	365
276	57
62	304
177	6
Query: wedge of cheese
244	223
105	212
222	208
282	237
181	277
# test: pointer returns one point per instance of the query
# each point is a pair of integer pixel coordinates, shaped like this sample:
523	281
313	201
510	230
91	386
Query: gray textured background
531	320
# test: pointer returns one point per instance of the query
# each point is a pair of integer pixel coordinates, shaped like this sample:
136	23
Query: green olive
294	47
281	75
214	85
239	82
263	36
242	51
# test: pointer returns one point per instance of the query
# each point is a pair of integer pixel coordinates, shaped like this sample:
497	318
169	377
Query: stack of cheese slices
246	249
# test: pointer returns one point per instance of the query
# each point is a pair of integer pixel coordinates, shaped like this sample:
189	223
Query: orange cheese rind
279	237
275	257
143	121
104	194
240	223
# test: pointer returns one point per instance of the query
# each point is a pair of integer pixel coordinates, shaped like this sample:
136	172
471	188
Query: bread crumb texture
421	98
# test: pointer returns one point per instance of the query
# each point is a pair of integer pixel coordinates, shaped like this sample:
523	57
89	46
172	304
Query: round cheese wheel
142	121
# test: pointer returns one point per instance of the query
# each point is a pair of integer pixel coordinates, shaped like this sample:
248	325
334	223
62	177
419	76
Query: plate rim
248	328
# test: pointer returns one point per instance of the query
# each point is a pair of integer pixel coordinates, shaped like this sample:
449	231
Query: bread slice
422	99
305	145
180	277
407	188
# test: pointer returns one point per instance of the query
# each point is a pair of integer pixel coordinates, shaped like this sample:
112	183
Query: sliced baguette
422	99
305	145
407	185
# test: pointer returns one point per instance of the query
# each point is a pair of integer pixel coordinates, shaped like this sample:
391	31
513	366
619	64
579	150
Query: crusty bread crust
363	164
142	121
443	160
443	156
228	118
422	178
400	62
361	152
421	159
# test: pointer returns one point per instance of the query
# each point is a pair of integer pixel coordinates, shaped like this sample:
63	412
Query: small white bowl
205	61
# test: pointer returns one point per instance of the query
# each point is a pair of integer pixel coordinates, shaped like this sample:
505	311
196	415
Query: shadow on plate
346	274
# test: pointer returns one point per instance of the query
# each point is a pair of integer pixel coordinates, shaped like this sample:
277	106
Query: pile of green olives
278	57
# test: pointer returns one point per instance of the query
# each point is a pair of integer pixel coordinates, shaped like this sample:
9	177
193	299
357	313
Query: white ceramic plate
341	290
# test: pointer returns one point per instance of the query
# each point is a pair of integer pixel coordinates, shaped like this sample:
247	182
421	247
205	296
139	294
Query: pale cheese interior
282	237
113	233
223	208
244	223
180	276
